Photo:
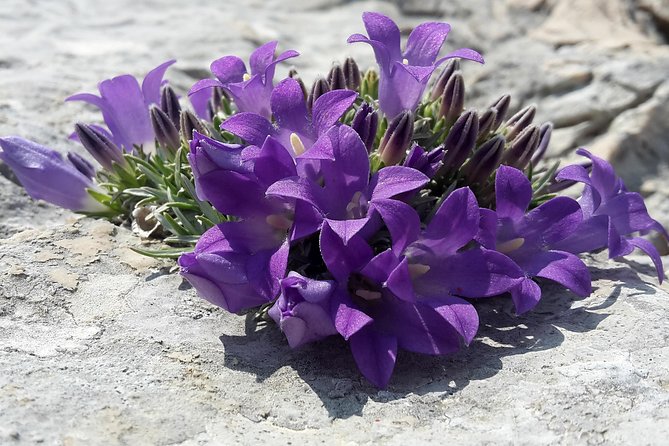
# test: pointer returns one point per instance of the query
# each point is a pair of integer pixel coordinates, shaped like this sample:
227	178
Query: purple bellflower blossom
611	214
302	310
528	238
295	128
407	296
125	106
250	91
404	76
346	199
46	175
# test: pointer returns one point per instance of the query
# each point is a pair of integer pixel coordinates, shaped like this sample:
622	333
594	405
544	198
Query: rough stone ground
101	346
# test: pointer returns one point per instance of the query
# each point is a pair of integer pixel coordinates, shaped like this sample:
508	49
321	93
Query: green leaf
164	253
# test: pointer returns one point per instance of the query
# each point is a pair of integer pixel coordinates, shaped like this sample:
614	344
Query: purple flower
295	126
125	106
528	238
407	297
45	175
348	194
611	214
404	76
250	92
302	310
237	265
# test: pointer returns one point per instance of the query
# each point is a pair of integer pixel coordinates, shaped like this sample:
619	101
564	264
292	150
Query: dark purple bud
81	164
99	146
169	103
352	74
485	160
522	148
451	67
397	139
486	122
294	75
460	141
166	132
365	123
214	104
336	78
320	87
545	132
425	162
501	106
190	122
453	98
518	122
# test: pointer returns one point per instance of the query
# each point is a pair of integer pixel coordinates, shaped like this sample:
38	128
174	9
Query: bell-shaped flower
611	214
46	175
296	127
404	75
528	238
125	106
302	310
250	91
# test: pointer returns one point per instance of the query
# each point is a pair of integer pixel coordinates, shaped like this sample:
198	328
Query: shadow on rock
328	366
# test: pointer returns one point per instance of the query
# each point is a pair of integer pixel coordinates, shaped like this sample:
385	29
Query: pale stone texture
101	346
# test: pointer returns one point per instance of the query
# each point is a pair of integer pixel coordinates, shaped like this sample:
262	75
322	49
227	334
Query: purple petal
262	57
375	355
399	282
525	296
424	43
349	172
603	178
462	53
627	212
574	172
329	107
233	193
88	98
487	234
564	268
299	189
402	222
347	229
349	320
394	180
402	89
551	222
384	30
228	69
455	223
459	313
289	107
269	71
380	266
618	246
380	51
513	193
152	83
252	96
273	163
340	258
199	99
250	127
651	251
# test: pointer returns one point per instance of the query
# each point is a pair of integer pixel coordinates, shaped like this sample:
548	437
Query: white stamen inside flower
511	245
405	61
368	295
296	144
279	221
246	77
417	269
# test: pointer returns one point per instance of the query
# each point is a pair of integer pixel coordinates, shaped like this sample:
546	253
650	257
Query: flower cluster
365	207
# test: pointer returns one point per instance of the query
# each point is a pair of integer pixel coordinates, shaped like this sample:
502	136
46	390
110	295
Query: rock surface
100	345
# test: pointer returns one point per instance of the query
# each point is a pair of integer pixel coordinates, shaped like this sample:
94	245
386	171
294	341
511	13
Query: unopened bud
460	141
518	122
522	148
451	67
336	78
81	164
166	132
294	75
352	74
370	84
190	122
486	122
397	139
365	123
453	98
545	132
425	162
320	87
485	160
99	146
217	97
169	103
501	106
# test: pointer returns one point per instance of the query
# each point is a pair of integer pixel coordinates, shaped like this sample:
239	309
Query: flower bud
451	67
320	87
214	104
485	160
545	132
190	122
166	132
460	141
294	75
99	146
370	84
365	123
81	164
453	98
425	162
501	106
397	139
486	122
518	122
169	103
352	74
522	148
336	78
